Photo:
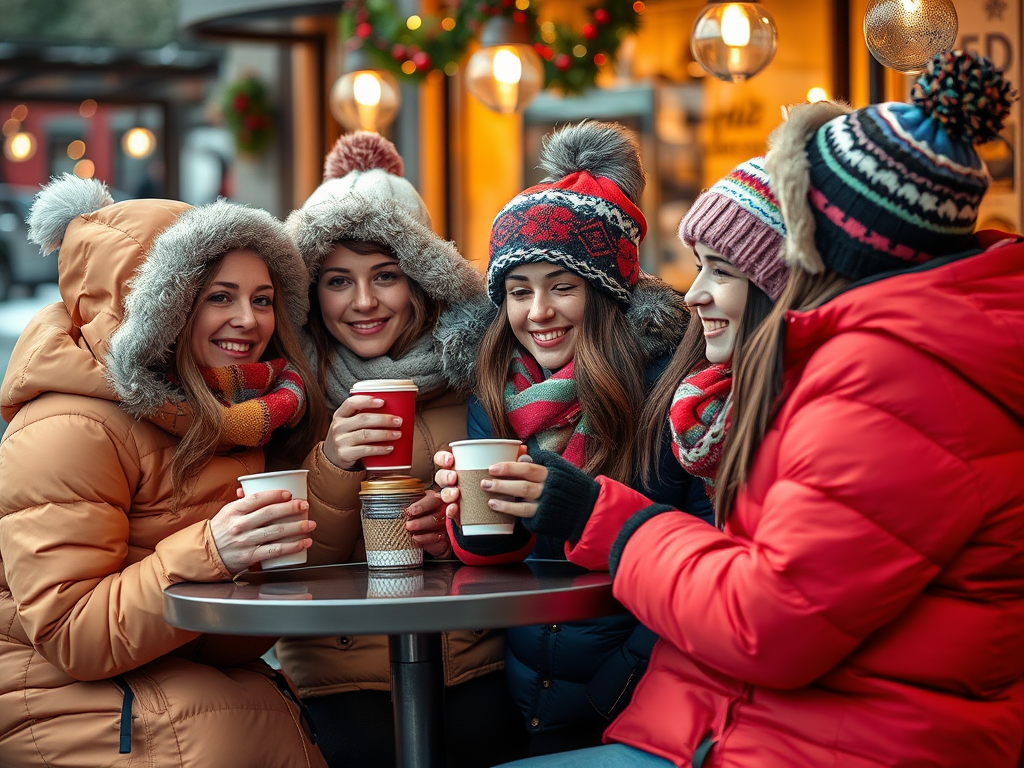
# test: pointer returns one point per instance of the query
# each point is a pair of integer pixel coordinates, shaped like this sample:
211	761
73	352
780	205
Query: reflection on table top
351	599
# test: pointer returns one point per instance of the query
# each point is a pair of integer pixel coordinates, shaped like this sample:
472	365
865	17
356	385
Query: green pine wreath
248	115
572	58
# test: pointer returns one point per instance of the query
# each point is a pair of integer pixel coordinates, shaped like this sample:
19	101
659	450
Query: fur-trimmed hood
130	272
789	170
656	315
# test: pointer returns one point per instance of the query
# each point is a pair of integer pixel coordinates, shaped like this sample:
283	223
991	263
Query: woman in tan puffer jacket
134	404
388	301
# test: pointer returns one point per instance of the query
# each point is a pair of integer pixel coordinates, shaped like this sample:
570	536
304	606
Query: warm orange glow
447	23
638	6
11	127
19	113
76	149
87	108
85	169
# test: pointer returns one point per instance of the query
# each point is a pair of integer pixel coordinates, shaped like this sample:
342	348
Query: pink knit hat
740	218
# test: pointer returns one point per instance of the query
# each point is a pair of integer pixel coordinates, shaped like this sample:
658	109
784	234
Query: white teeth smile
367	326
713	325
232	346
547	335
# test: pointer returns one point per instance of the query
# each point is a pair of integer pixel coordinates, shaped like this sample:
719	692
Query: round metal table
413	607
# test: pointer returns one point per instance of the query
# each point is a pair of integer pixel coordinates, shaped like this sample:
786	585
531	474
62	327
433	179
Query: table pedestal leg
417	696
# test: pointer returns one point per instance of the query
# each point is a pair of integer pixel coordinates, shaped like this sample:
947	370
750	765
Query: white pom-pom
58	204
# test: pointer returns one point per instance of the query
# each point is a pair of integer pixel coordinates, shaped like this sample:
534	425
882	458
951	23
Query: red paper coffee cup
399	396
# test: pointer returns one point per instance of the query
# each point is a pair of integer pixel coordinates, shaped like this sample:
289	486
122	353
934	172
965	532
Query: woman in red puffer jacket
863	604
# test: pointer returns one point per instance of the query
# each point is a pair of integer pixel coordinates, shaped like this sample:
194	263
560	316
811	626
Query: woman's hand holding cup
250	530
357	431
521	480
425	522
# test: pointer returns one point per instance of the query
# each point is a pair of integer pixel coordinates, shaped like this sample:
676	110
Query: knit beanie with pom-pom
364	197
891	185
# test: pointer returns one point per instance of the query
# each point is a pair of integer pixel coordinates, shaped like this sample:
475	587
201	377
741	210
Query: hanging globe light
905	34
734	41
505	74
364	99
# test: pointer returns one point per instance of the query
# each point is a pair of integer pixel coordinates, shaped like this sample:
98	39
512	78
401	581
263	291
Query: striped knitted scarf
546	410
257	398
699	418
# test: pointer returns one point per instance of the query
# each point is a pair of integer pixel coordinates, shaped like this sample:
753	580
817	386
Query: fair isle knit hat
583	216
890	185
739	217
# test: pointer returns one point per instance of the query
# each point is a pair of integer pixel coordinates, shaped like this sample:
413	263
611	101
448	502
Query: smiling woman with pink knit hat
863	604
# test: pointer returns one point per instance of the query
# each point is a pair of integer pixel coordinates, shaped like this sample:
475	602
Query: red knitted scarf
546	409
699	418
257	399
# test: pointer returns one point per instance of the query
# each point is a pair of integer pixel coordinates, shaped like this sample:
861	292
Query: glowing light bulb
20	147
735	27
507	67
138	142
817	94
366	89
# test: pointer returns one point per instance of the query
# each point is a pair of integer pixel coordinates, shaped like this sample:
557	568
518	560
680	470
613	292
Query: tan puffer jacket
89	541
321	666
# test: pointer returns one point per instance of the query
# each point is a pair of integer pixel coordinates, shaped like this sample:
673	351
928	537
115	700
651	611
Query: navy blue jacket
585	671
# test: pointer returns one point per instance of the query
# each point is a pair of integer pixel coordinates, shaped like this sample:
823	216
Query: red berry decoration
562	61
589	31
398	52
519	17
601	16
600	59
363	30
240	102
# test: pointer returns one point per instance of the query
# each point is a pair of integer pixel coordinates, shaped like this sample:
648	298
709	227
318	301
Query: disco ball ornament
905	34
734	41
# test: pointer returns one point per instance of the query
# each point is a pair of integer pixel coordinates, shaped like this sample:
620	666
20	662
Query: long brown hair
690	355
757	382
609	374
200	441
425	312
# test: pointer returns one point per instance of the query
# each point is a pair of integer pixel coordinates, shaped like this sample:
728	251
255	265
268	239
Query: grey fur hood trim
657	316
59	203
164	288
790	173
433	263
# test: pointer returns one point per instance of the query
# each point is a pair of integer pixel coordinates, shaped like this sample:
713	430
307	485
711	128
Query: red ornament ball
589	31
398	52
601	16
363	30
422	61
240	103
600	59
562	61
519	17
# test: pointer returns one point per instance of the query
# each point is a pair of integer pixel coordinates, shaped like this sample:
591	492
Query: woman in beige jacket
388	301
134	404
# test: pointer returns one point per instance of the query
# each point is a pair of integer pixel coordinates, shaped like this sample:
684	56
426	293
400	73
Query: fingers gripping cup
472	458
293	481
384	501
399	396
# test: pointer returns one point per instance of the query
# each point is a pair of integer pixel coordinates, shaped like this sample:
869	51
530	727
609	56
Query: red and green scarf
546	410
699	418
257	399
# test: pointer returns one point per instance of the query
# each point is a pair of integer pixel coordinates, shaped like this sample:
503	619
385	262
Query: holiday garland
247	113
571	58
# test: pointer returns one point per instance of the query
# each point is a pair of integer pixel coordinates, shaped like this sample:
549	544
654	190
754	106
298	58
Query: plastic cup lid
385	385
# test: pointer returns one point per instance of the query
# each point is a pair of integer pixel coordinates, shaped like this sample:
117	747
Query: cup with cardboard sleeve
399	396
293	481
383	503
472	459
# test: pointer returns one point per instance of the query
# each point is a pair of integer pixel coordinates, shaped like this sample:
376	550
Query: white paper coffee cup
472	459
293	481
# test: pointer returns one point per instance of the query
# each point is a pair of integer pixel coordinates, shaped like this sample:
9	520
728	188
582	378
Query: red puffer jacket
865	604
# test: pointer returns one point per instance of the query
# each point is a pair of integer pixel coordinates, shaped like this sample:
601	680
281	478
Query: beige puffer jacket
89	541
321	666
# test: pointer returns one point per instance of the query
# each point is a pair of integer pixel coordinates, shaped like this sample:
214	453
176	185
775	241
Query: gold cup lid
391	485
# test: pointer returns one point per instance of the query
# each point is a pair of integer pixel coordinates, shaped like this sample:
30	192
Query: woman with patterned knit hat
578	338
381	279
167	370
864	602
735	230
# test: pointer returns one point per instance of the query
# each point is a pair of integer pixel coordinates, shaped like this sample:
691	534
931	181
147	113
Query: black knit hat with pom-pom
893	185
